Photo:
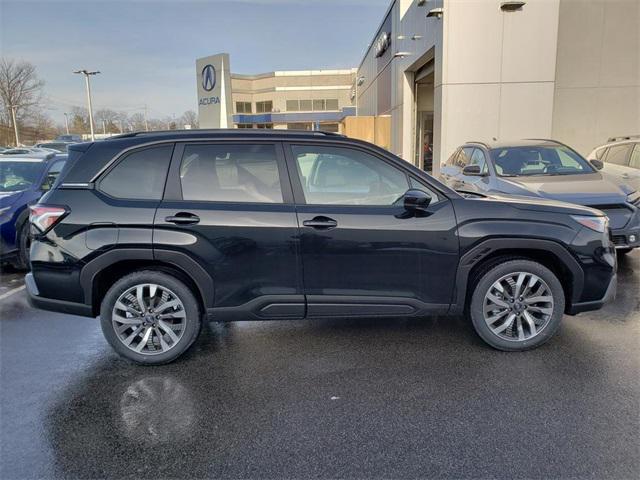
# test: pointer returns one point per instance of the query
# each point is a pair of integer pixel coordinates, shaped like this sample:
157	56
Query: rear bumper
61	306
609	295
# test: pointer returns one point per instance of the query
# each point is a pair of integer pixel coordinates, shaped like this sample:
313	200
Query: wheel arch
101	273
494	251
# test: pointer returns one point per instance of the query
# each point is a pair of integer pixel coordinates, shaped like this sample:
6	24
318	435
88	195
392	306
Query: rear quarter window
139	175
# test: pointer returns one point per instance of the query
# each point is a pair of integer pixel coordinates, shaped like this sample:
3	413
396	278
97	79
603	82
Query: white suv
621	159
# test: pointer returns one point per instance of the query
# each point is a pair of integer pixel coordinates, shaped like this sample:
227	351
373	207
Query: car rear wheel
21	261
517	305
150	317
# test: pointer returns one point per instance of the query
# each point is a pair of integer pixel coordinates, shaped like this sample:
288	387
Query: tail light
44	217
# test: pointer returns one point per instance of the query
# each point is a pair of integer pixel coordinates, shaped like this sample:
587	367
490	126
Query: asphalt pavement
323	399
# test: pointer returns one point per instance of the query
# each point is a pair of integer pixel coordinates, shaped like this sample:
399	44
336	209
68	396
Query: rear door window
619	154
231	173
140	175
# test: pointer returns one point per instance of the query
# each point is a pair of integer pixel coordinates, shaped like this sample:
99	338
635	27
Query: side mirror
472	171
597	163
416	200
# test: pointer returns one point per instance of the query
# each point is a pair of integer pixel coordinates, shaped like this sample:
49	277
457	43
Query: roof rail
236	131
485	144
623	137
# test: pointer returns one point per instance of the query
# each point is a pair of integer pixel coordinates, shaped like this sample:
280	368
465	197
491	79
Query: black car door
228	208
361	252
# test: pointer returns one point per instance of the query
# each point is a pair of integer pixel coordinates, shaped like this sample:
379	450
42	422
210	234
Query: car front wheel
517	305
150	317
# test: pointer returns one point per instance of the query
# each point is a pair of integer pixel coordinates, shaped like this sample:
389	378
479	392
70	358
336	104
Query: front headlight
634	198
597	224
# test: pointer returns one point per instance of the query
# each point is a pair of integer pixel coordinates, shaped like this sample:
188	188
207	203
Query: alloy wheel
518	306
149	319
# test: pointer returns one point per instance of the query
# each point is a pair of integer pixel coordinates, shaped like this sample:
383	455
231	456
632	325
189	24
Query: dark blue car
23	180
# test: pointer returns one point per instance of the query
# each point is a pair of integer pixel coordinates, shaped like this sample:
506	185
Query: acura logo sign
208	77
383	42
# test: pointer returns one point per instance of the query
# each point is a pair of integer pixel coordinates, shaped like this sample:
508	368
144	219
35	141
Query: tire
21	262
170	324
533	321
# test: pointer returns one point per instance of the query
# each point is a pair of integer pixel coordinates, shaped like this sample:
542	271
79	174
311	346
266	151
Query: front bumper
61	306
609	296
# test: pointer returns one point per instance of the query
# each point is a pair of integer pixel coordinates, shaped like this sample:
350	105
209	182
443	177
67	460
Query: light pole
66	122
15	124
86	74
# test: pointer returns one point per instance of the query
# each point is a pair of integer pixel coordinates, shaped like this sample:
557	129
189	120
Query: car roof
619	141
527	142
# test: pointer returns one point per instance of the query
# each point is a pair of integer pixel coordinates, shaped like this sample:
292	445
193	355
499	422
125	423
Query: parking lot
366	398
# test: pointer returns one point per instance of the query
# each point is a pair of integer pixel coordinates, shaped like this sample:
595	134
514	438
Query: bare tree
108	119
79	120
19	87
137	122
189	118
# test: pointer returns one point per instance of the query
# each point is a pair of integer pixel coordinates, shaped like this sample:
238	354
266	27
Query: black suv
157	232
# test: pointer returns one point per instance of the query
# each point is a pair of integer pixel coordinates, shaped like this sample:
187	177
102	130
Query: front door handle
321	223
183	218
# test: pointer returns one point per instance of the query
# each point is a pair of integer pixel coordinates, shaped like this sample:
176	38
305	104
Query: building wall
597	92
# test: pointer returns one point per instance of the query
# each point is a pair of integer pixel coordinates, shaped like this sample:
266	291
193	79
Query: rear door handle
321	223
183	218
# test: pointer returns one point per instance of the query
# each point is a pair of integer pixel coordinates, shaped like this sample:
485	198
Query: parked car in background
546	169
58	146
621	158
71	138
158	231
23	180
28	150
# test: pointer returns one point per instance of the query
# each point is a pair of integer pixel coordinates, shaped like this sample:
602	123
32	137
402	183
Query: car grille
619	215
619	240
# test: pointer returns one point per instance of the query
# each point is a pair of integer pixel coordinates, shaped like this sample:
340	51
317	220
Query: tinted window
619	154
634	162
139	175
343	176
230	173
52	174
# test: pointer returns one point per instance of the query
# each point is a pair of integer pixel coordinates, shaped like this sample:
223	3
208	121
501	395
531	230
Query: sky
146	49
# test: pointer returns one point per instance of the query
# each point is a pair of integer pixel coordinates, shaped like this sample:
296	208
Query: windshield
538	160
19	175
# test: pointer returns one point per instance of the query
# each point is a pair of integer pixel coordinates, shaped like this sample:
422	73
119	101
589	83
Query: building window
243	107
264	125
299	126
332	104
293	105
244	125
319	104
264	107
330	127
305	106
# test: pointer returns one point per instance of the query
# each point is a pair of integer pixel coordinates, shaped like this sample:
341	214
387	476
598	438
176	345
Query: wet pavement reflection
366	398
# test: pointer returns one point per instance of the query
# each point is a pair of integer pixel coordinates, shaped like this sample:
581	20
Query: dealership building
450	71
308	99
302	99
